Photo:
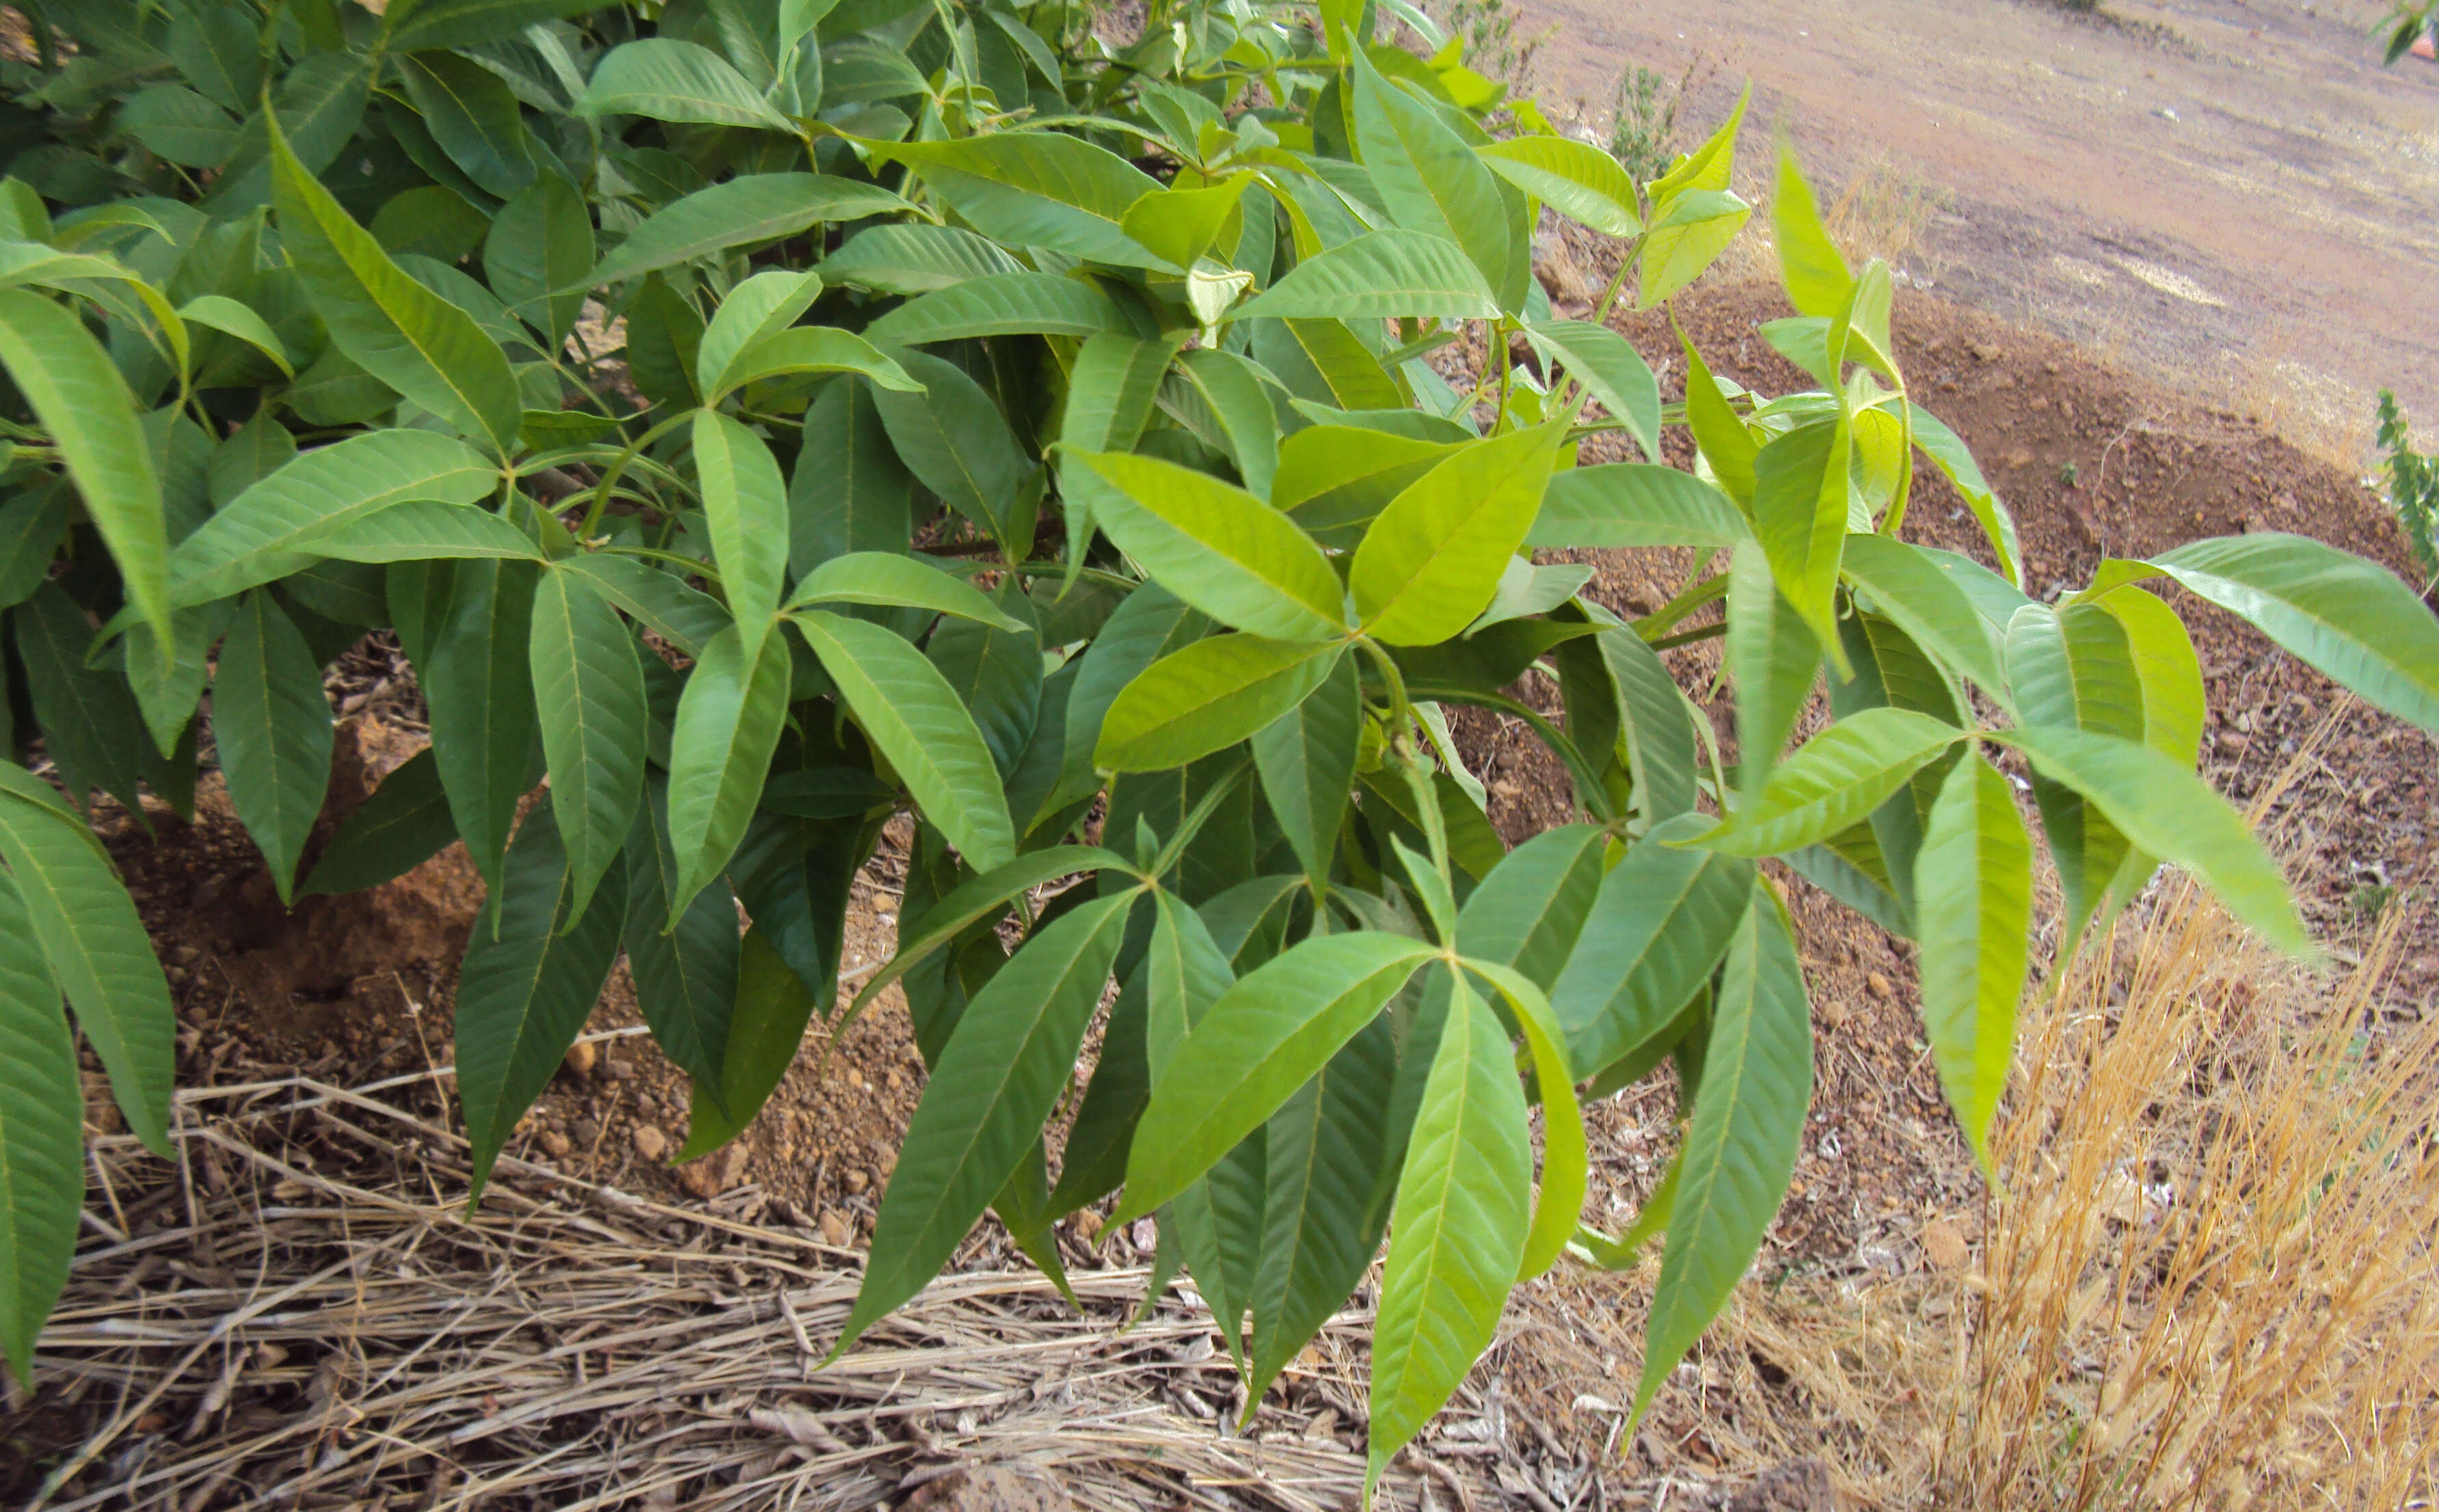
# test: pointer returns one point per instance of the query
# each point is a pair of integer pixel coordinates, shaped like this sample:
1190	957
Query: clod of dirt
1943	1246
1794	1486
715	1173
650	1142
582	1057
993	1488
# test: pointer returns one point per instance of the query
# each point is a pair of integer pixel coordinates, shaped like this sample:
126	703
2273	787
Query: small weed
1492	46
1642	132
2412	487
2368	901
2067	474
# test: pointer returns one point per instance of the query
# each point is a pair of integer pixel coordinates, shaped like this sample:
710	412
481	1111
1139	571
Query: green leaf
764	305
993	1088
2351	619
1954	458
2169	812
410	24
1833	781
745	502
1208	697
527	988
1180	224
473	117
589	693
686	973
86	926
217	53
1817	280
33	525
751	208
1335	479
914	259
953	438
1002	304
273	724
888	578
1634	503
1573	178
1693	216
978	899
404	824
1427	177
727	726
1657	928
914	718
1611	370
2075	668
1382	276
1430	562
815	349
1799	490
1740	1150
1530	910
478	683
1150	625
765	1030
1974	886
92	728
996	673
849	493
686	618
1655	728
1458	1234
1036	189
1265	1038
420	530
316	105
68	381
1307	760
268	530
537	254
1219	548
1771	656
665	80
387	323
1222	397
221	314
2169	671
1907	586
41	1141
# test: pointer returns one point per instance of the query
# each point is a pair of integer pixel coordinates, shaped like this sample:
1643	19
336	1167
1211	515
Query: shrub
1019	430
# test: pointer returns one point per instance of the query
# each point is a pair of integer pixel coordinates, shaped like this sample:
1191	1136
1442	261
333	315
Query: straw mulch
302	1313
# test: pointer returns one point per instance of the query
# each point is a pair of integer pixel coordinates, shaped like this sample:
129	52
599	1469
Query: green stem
1401	709
1579	770
610	475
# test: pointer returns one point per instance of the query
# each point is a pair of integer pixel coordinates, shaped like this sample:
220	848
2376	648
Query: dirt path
2233	196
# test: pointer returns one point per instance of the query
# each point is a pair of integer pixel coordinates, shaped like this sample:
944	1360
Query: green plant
1110	521
2412	487
1642	123
1487	30
2412	21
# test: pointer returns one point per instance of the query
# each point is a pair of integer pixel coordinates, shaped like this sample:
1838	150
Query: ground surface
2233	195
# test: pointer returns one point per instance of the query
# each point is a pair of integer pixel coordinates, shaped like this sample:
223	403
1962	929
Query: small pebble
835	1229
1880	986
650	1142
555	1143
581	1057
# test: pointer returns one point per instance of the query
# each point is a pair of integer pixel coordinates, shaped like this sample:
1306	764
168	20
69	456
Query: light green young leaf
1634	504
1655	731
1208	697
1740	1150
1611	369
1573	178
86	926
1457	1237
1002	304
1817	280
1954	458
914	718
1973	887
526	991
727	724
1219	548
996	1085
751	208
589	693
1659	925
2075	668
815	349
1430	562
1800	516
1927	604
387	323
1425	174
1382	276
1336	479
763	305
230	317
273	724
1693	214
1265	1038
42	1143
1181	224
1833	781
746	503
74	392
420	530
665	80
1566	1157
886	578
1222	397
2169	812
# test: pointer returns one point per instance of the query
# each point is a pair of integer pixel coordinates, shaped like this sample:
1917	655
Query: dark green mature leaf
849	493
1459	1233
978	899
666	79
92	729
2166	811
420	530
1834	780
993	1086
317	105
2351	619
1748	1123
1772	656
88	931
1036	189
686	972
525	990
914	718
746	503
1382	276
1799	488
1219	548
995	670
68	381
218	52
1225	398
1151	624
954	439
728	724
410	24
589	693
539	249
1307	760
1430	564
914	259
384	321
478	683
41	1148
765	1030
1210	696
752	207
406	822
1265	1037
1974	886
686	618
274	728
1002	304
471	114
1656	930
